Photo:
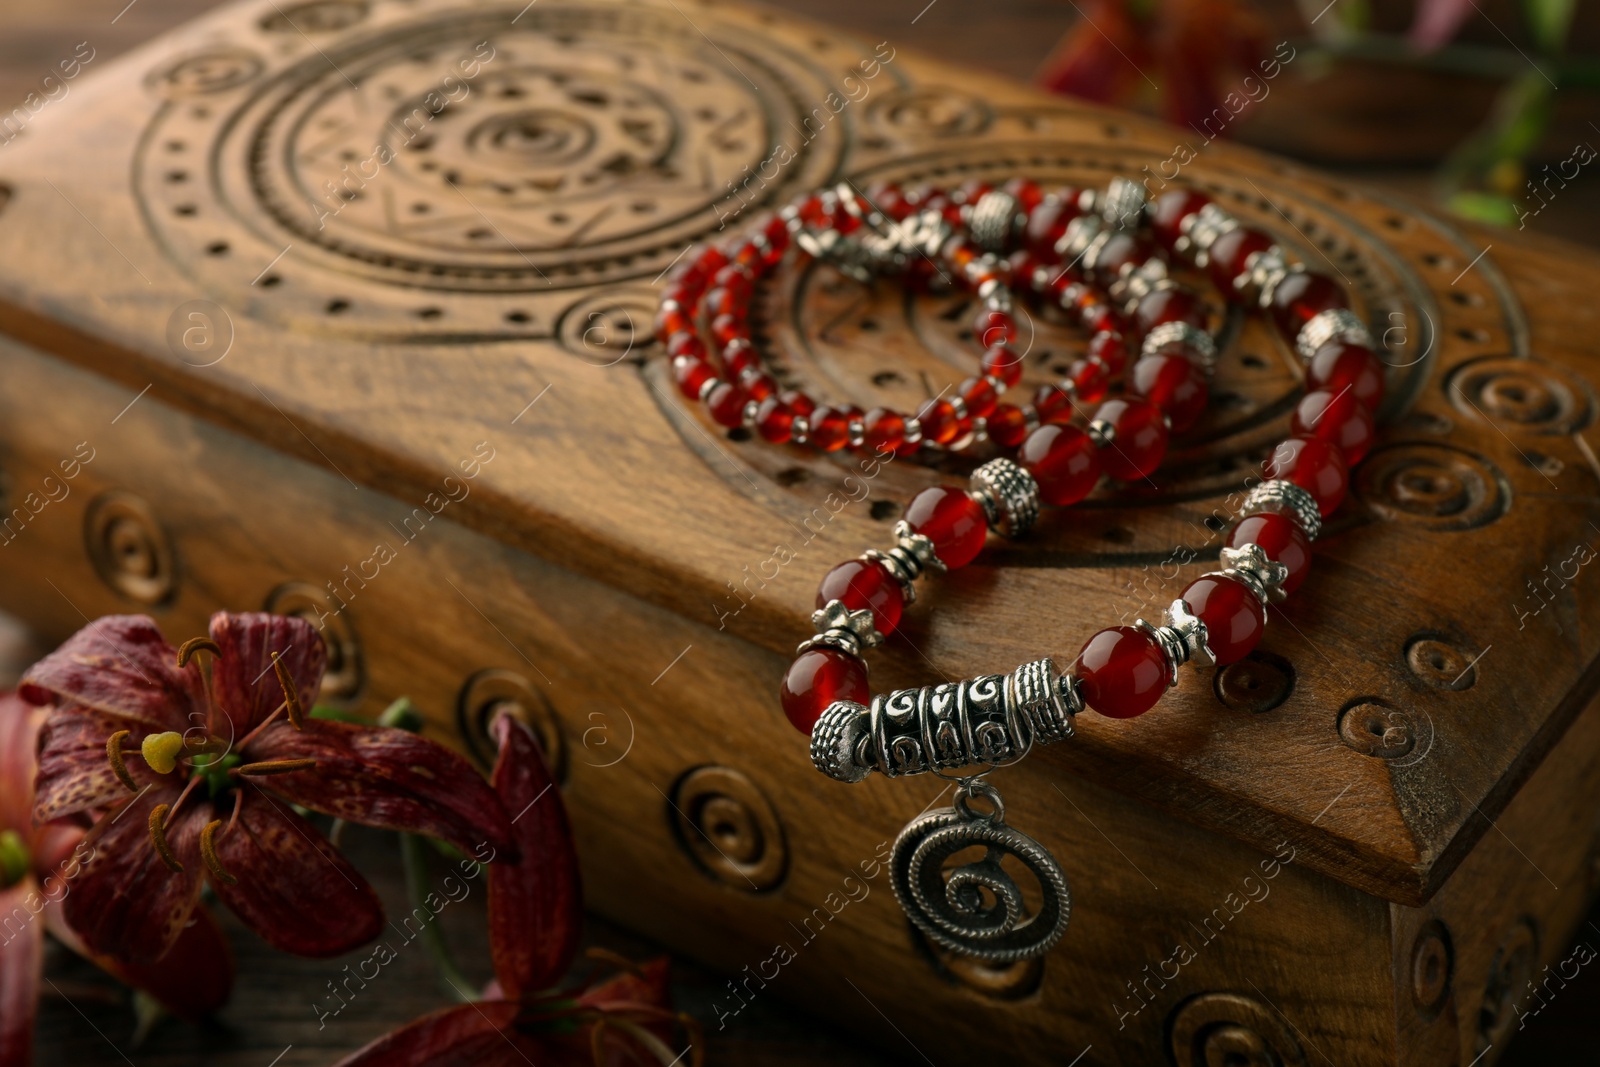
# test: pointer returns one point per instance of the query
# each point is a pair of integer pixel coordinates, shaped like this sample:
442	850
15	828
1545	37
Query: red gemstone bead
1121	249
1008	425
671	319
1229	256
728	328
1047	224
757	385
686	344
726	403
1064	461
817	678
739	356
992	327
952	520
1281	538
1170	209
1339	364
865	585
691	375
1002	364
1315	466
1109	348
1122	671
1169	305
938	420
830	428
1027	192
1232	615
1052	404
979	396
1140	438
1090	378
886	432
798	401
775	420
1174	384
1338	418
1300	297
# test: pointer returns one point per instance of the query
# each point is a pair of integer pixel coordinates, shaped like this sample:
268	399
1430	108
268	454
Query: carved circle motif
941	112
1231	1030
495	691
1375	729
1432	967
346	677
1258	683
729	828
204	73
129	549
318	16
1441	664
609	326
1526	395
1510	972
1440	485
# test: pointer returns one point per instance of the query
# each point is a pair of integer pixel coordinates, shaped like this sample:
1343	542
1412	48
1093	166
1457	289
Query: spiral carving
1521	395
129	548
978	909
1438	485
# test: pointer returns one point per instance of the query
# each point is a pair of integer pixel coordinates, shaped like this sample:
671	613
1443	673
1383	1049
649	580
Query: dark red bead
1300	297
938	421
1047	224
1229	256
1338	365
1026	191
1052	404
1090	378
979	396
886	432
1002	364
798	401
817	678
756	385
865	585
1121	249
830	428
992	327
952	520
727	328
691	375
1139	438
1232	615
775	420
686	344
1109	348
671	319
726	403
1315	466
1008	425
1122	671
1169	211
739	356
1338	418
1281	538
1169	305
1064	461
1174	384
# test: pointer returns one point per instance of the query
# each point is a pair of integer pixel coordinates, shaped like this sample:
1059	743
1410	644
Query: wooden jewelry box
343	308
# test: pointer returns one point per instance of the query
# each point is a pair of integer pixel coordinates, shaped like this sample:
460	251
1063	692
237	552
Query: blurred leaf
1355	15
1549	20
328	711
1437	22
1484	207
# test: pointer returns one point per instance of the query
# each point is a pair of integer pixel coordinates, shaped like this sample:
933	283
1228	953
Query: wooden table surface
86	1019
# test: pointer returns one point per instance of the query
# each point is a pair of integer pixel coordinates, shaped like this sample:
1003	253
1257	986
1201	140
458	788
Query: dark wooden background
1346	120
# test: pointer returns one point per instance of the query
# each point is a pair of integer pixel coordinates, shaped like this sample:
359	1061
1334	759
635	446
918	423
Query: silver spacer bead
707	386
1335	324
1248	564
1173	648
1192	632
1077	237
1124	205
1263	271
748	418
1205	226
1103	432
800	430
839	627
1091	254
857	429
840	741
1009	496
996	218
1068	694
1088	201
1139	283
1285	498
1033	694
1196	343
913	430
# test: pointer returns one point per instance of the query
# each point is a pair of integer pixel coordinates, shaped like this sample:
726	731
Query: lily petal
120	665
21	955
125	902
192	980
535	903
246	686
19	735
291	886
74	774
468	1035
378	776
648	988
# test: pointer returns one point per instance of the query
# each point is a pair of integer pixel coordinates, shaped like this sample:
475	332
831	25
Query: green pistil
15	862
214	769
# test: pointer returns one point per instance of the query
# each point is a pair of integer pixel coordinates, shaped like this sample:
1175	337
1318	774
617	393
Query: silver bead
1335	324
996	217
1248	564
1174	335
1139	283
800	430
1204	227
839	741
708	386
1191	631
1009	496
1263	271
911	555
1103	432
748	418
1032	690
1285	498
1077	237
839	627
1091	254
1124	204
1173	648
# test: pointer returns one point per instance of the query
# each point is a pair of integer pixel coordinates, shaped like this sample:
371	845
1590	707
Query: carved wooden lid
388	286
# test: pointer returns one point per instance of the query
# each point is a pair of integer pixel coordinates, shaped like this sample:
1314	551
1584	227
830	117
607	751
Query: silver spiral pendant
977	909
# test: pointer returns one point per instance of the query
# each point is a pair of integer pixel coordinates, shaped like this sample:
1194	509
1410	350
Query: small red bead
1001	363
830	428
817	678
1052	404
1139	438
1339	364
886	432
798	401
1047	224
1109	348
1170	209
1229	256
686	344
1338	418
1169	305
952	520
775	420
1123	672
938	421
992	327
691	375
1008	425
671	319
1281	538
1315	466
1300	297
1064	461
728	328
1174	384
727	402
1027	192
1232	615
1121	249
979	396
865	585
757	386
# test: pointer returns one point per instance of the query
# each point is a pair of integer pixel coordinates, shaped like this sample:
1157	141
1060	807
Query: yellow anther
114	757
208	852
276	766
160	751
187	650
290	696
158	838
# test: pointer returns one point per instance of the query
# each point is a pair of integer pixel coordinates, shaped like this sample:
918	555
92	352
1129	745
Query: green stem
451	980
1482	61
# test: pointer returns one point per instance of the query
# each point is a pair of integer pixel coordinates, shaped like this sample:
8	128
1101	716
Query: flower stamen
158	838
160	751
187	650
114	757
276	766
291	697
208	852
